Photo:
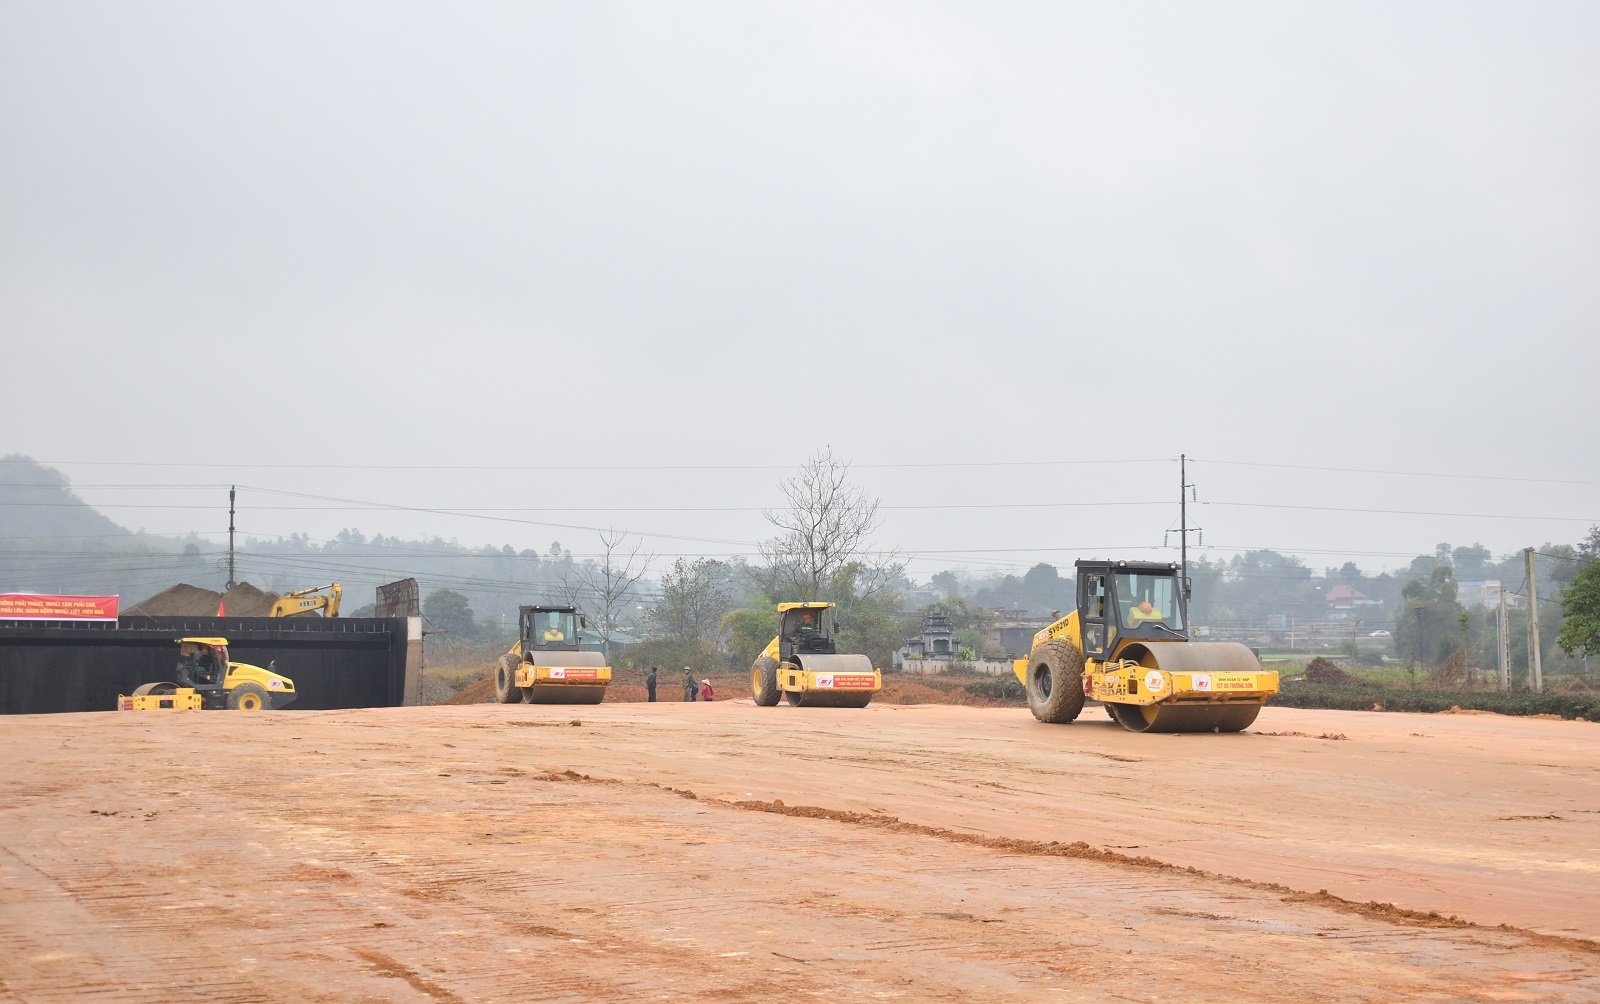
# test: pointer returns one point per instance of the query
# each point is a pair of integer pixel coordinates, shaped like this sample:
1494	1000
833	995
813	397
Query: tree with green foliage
1580	633
748	630
448	611
694	598
1431	625
870	626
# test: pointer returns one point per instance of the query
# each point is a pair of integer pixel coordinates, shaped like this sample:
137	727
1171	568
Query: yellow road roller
1127	646
545	666
802	665
208	679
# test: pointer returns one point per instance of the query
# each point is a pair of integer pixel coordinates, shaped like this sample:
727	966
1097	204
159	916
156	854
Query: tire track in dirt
1078	850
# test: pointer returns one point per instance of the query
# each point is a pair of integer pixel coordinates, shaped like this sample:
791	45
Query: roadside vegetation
1322	683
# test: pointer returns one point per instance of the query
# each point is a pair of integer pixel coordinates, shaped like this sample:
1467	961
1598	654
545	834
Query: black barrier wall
336	662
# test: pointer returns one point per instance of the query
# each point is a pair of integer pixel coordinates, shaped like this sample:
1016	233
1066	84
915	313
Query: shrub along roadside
1370	696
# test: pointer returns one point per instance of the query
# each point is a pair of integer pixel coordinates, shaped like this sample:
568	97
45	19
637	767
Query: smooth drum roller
580	678
1217	687
852	673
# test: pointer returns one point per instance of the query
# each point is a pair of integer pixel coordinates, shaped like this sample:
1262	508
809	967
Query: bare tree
824	536
694	596
603	588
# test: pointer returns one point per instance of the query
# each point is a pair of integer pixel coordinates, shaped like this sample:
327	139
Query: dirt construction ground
727	852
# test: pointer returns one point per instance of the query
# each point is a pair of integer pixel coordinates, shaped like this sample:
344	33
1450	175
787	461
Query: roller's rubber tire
506	690
248	697
1055	682
764	682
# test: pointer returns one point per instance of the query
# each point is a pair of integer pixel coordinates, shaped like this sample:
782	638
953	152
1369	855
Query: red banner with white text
44	607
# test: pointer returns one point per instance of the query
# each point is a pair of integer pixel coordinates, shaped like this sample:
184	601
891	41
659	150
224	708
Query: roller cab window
808	630
1093	604
1147	605
555	629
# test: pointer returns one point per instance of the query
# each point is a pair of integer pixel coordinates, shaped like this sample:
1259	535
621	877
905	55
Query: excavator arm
325	598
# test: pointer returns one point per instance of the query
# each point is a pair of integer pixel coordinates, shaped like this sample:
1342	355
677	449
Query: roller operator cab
546	665
1127	645
802	665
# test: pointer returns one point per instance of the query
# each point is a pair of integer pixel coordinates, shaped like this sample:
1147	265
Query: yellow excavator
802	665
209	680
545	666
1127	646
324	598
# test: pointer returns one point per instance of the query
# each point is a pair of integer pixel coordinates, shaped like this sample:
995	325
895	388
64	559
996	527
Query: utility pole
232	489
1535	671
1185	491
1504	645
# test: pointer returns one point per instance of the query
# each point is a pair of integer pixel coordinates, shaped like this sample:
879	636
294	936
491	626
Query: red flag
221	610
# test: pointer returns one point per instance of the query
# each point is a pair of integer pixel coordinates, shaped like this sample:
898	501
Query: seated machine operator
202	666
1144	612
552	632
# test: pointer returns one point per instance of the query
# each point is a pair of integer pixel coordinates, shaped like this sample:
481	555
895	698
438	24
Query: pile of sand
184	600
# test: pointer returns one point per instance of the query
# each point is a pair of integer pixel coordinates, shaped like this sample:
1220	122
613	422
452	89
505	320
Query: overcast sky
1009	259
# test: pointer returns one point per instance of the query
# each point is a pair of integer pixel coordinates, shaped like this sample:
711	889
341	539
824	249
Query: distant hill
51	541
38	502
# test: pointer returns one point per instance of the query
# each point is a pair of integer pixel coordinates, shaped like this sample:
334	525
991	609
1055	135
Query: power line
1400	512
578	467
479	510
1405	474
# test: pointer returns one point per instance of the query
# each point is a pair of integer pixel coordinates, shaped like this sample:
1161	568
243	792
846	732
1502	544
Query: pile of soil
184	600
1328	673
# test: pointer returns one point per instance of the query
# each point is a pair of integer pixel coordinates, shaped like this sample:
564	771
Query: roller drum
1171	716
851	664
1200	657
838	664
566	693
1196	716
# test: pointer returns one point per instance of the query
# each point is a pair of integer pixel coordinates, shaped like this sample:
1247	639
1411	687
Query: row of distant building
1483	594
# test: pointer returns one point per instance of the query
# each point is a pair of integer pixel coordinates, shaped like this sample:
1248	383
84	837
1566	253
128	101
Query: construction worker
553	632
201	666
1144	613
706	693
650	685
212	667
691	689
